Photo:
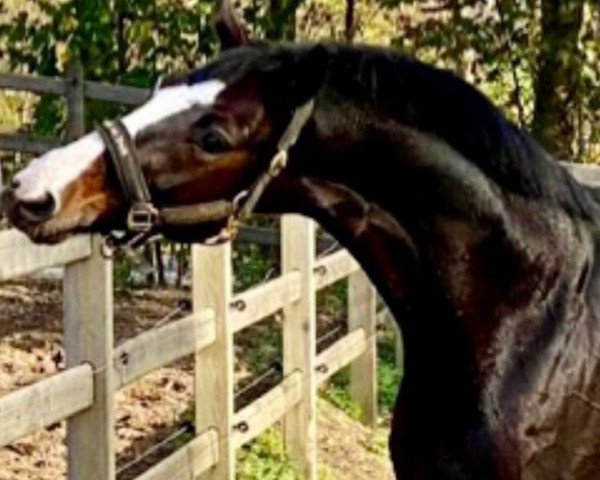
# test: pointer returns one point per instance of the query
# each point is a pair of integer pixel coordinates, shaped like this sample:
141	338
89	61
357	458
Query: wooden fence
83	393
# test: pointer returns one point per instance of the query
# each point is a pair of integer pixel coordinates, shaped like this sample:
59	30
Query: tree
558	82
536	58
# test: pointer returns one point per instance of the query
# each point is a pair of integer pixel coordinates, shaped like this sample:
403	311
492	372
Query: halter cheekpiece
144	217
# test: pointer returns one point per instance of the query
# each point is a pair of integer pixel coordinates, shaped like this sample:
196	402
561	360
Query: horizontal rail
271	237
58	86
151	350
264	300
26	143
19	256
116	93
45	402
31	83
253	419
334	267
340	354
584	172
189	461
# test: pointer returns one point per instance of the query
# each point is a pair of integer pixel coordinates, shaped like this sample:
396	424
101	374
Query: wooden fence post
212	288
88	321
362	313
75	97
299	342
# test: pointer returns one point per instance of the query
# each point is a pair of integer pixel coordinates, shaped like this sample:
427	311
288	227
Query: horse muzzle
26	213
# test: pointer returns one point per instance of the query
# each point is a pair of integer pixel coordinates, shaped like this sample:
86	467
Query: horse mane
439	103
436	102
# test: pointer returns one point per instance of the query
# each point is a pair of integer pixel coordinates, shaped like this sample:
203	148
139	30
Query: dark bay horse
483	246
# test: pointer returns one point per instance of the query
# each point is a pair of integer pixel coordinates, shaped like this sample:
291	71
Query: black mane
433	101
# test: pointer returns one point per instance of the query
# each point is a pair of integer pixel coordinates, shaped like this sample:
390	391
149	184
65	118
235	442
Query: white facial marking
54	171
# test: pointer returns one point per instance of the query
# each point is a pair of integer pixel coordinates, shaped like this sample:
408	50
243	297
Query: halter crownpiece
143	216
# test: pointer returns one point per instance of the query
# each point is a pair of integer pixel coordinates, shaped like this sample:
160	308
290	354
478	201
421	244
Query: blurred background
539	60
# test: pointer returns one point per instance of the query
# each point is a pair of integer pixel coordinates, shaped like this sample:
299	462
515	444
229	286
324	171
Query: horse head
202	137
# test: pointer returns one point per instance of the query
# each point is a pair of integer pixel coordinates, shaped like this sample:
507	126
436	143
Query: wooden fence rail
73	83
84	392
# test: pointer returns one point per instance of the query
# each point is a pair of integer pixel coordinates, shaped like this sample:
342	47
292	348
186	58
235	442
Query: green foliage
389	375
388	379
337	394
262	348
252	264
117	41
333	300
121	273
265	459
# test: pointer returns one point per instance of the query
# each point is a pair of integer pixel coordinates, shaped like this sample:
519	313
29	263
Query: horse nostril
15	184
38	210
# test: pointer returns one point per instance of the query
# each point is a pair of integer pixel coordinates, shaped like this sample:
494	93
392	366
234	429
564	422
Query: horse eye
213	142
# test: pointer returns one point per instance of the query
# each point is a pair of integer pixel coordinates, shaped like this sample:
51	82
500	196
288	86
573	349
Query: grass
265	458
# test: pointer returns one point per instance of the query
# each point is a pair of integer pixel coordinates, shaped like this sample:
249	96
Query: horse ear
229	28
305	74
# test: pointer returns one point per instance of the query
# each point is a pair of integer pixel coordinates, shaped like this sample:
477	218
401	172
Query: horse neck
441	241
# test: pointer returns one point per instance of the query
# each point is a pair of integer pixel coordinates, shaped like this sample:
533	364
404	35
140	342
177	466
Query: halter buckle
142	217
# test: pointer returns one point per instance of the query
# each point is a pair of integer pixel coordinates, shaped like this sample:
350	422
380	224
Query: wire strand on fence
187	427
178	433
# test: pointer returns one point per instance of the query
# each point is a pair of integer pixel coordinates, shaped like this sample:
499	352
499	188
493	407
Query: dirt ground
148	410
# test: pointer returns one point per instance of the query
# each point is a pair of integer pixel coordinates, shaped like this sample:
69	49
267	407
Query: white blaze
54	171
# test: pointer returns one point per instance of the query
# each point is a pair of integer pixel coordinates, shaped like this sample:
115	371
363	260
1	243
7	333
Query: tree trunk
350	27
558	82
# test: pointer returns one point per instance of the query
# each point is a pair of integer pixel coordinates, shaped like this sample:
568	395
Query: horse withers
482	245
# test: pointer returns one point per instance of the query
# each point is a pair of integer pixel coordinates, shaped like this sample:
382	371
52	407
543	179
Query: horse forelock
439	103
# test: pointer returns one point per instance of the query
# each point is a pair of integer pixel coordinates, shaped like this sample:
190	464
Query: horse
483	246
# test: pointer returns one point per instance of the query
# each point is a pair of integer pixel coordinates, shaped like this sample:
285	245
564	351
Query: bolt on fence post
299	342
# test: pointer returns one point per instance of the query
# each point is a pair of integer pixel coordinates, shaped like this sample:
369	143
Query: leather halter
143	216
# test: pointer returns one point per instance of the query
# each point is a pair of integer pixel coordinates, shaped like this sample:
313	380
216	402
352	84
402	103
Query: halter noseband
143	216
